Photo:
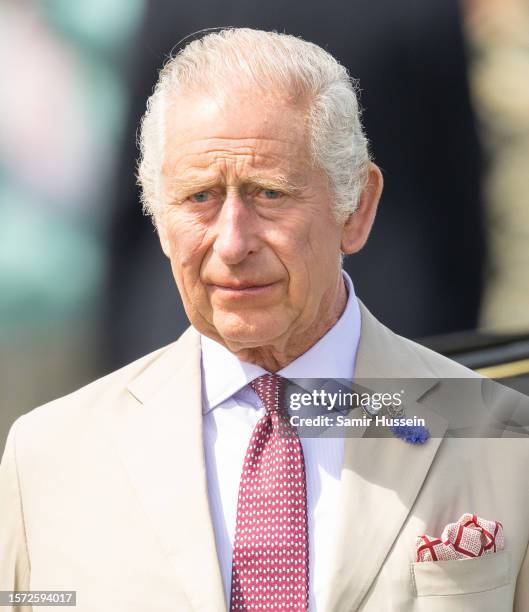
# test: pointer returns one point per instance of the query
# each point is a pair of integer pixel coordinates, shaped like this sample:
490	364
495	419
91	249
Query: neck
273	359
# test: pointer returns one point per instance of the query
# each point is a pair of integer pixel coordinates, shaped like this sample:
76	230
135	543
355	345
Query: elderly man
178	482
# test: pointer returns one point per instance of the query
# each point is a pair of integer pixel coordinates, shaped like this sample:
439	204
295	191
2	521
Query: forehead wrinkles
256	147
230	157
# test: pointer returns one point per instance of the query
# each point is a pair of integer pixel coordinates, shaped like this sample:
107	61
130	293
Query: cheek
324	245
188	243
296	258
308	253
189	247
304	245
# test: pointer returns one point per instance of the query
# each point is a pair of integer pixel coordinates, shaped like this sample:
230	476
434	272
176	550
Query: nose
235	237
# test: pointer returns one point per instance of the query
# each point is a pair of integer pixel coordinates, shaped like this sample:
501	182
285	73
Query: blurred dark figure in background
428	240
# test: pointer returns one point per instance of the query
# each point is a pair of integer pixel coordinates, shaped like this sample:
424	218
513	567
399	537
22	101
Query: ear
358	225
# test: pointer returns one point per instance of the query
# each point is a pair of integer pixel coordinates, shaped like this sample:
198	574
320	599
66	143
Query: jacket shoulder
439	365
70	412
383	353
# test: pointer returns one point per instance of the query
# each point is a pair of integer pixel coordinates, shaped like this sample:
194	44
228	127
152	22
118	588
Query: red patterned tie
270	569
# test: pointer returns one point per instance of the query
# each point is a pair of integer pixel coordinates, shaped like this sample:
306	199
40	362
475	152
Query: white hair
278	62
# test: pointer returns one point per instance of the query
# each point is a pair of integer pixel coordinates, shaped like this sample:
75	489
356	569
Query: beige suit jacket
104	492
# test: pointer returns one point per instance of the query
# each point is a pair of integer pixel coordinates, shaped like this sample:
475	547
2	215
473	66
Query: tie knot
270	389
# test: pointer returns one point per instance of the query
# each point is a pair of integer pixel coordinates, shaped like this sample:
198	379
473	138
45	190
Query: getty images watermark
378	409
414	409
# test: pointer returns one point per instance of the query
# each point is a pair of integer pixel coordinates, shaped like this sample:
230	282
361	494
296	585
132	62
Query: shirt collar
223	374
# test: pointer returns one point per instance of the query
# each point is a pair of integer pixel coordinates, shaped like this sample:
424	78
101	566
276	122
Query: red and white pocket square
471	536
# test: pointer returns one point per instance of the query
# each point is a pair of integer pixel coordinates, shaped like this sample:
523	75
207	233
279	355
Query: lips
241	286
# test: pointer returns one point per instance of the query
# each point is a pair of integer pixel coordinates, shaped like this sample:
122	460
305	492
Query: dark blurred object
503	357
421	270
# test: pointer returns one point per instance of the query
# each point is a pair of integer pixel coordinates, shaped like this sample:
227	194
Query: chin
246	330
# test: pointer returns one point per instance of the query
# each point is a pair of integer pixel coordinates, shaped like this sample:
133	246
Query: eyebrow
181	188
290	186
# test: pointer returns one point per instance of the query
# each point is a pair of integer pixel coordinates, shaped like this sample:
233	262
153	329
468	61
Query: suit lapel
159	436
381	477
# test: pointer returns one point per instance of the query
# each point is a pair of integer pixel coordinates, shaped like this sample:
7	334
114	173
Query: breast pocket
460	576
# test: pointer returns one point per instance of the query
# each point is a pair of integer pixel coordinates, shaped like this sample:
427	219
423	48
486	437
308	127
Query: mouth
243	288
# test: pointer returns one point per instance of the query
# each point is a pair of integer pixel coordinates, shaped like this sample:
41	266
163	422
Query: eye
271	194
200	196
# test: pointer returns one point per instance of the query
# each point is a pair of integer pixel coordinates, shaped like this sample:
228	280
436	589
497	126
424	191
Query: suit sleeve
14	558
521	597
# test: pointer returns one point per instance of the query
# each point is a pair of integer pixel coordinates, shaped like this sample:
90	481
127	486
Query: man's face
247	221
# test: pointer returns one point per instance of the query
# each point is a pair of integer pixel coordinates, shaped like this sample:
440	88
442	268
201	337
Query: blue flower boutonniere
412	434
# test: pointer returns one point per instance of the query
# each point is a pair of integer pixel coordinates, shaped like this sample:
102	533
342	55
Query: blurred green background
62	111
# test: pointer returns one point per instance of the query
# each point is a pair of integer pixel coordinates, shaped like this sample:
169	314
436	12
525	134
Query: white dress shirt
231	410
